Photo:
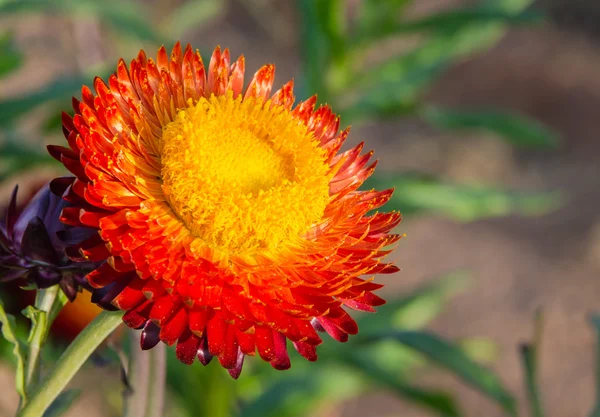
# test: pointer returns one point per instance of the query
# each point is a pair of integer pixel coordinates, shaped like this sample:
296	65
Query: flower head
227	220
34	243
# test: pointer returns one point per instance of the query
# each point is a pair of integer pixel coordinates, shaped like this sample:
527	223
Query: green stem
70	362
45	301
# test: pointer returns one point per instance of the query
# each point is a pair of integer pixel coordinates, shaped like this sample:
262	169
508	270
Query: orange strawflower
228	221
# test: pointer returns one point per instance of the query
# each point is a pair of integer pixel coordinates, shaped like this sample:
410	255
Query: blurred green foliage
391	349
343	63
419	193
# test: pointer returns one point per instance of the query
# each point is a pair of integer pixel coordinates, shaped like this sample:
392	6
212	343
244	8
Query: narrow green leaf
379	16
62	403
8	328
418	193
16	155
454	359
529	358
125	16
62	88
439	403
480	349
437	52
489	18
595	320
415	310
518	130
300	393
392	89
219	389
323	43
456	18
10	57
192	14
453	20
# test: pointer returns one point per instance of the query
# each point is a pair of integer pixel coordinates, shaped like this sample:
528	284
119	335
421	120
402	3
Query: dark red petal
150	336
228	358
187	347
344	322
107	294
204	355
198	319
216	335
59	185
333	330
371	299
138	317
172	330
263	338
163	309
306	350
237	369
282	359
246	342
68	285
103	275
131	296
356	305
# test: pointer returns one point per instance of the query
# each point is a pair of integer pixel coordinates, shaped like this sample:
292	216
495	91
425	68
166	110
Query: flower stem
45	302
70	362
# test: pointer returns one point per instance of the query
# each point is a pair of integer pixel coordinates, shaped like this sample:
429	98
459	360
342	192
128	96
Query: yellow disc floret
243	176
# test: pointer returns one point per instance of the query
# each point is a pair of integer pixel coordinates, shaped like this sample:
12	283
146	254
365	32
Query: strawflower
228	221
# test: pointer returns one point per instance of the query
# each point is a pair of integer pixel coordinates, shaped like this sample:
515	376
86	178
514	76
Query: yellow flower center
243	176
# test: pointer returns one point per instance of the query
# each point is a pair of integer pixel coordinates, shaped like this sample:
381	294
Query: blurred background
483	115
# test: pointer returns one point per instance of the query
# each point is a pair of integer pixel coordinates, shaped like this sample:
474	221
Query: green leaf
454	359
529	353
392	89
595	320
62	88
419	193
415	310
16	156
480	349
192	14
518	130
219	389
448	22
455	19
62	403
323	42
425	62
300	393
394	86
8	328
10	57
379	16
125	16
440	403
